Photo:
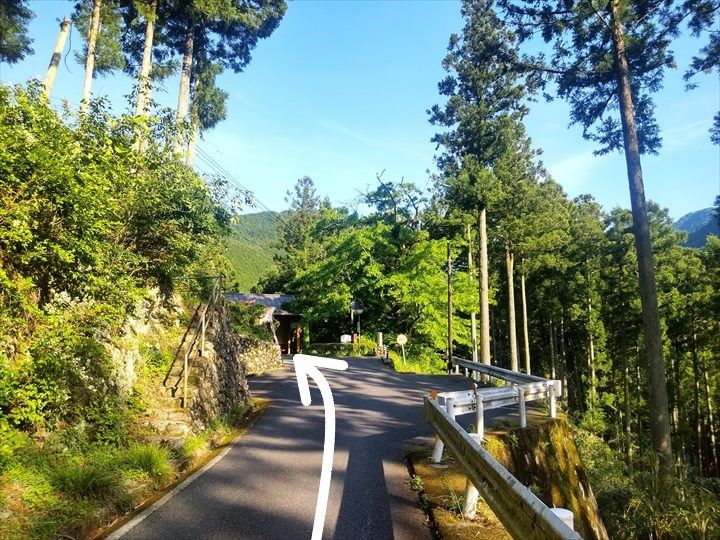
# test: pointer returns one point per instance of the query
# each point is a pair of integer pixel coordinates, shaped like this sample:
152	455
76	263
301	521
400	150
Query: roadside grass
68	487
440	491
418	359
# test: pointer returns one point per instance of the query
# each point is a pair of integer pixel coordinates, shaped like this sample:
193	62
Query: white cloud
679	136
575	170
369	140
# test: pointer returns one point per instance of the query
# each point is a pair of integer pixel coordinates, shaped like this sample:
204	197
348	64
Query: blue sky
339	93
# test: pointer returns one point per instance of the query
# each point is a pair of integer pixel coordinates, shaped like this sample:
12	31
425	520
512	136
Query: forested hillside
250	248
699	225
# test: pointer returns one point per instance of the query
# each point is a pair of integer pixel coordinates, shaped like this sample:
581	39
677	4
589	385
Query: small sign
401	339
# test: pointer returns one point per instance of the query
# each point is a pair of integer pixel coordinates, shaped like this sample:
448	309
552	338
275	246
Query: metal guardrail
520	511
501	373
524	388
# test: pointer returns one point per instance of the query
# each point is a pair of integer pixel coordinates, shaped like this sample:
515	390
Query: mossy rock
544	457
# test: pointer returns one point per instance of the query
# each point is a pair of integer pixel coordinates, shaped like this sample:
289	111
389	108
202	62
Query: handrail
519	510
182	342
200	316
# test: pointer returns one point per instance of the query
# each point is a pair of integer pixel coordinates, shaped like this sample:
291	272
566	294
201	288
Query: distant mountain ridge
251	247
698	225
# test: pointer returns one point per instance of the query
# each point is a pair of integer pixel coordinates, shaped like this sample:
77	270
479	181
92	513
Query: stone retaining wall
219	378
259	356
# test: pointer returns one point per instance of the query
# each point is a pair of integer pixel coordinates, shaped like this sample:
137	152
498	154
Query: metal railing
196	343
522	514
523	388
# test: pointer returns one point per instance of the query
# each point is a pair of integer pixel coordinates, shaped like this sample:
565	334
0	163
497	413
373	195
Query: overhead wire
218	168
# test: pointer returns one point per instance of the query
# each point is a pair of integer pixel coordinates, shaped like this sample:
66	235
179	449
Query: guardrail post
450	407
437	450
565	515
439	445
553	406
521	406
479	415
471	494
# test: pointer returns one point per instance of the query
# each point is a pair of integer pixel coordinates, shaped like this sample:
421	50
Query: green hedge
365	348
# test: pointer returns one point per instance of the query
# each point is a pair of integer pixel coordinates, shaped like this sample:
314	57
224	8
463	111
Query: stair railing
197	341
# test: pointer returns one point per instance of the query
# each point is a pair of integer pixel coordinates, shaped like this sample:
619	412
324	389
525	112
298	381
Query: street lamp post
356	308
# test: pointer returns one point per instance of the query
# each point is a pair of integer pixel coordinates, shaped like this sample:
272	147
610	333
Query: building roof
273	301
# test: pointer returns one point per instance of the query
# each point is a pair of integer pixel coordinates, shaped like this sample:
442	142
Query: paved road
266	486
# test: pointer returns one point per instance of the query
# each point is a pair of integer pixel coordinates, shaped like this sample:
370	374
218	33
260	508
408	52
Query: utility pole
57	54
90	59
473	322
449	311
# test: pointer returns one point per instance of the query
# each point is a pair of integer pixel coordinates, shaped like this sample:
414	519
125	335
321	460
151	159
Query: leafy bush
87	224
418	359
340	349
637	506
245	320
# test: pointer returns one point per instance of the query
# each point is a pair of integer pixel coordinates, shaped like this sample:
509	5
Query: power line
223	172
253	243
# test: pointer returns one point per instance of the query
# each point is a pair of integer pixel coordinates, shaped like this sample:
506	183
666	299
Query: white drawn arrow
307	366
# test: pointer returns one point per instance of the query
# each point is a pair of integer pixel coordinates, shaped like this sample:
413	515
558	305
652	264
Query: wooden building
286	330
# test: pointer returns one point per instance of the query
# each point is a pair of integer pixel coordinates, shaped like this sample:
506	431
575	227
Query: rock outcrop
544	457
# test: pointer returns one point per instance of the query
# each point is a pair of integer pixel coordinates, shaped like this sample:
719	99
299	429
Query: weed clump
152	459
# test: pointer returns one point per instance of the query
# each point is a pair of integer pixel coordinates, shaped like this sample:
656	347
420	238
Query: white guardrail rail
521	388
520	511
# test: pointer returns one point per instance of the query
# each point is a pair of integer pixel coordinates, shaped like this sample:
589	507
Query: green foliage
364	348
634	506
418	359
87	223
245	320
194	446
152	459
648	28
15	16
108	51
94	480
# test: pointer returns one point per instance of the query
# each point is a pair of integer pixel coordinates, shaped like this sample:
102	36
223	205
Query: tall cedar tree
100	22
483	111
222	32
148	10
608	59
15	16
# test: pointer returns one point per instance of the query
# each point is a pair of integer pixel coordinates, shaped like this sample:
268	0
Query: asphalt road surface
266	486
